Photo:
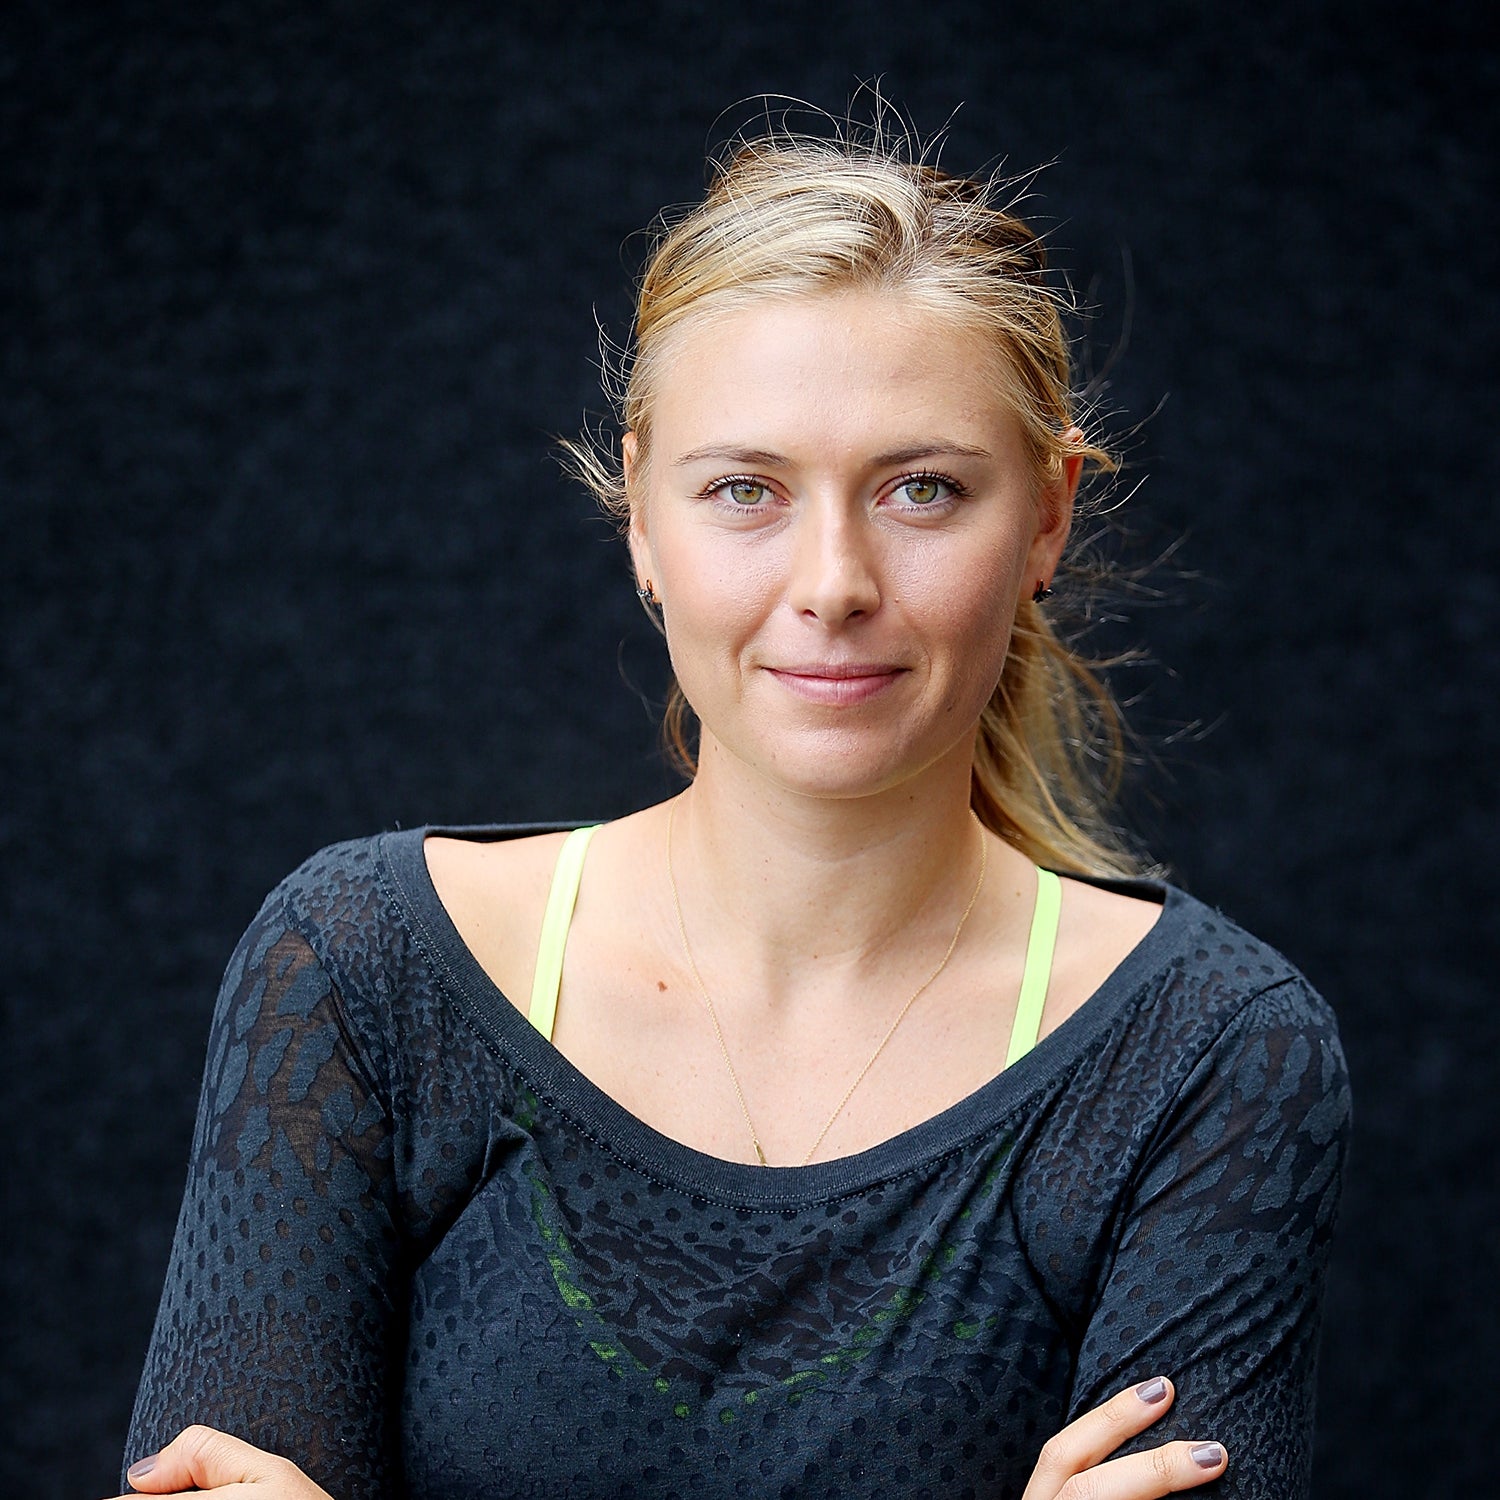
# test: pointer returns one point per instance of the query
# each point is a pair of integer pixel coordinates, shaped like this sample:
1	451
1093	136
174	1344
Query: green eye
747	492
922	491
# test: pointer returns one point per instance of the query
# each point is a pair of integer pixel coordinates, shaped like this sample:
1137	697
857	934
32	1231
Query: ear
1055	516
636	535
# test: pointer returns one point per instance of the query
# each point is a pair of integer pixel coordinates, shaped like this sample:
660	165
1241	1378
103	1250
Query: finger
201	1458
1090	1439
1147	1476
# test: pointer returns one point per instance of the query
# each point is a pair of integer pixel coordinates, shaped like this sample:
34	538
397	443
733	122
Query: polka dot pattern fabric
421	1255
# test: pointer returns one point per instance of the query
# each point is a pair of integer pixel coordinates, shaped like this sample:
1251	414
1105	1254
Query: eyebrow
765	458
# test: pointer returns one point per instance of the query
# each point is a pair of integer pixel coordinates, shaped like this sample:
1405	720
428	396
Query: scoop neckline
636	1145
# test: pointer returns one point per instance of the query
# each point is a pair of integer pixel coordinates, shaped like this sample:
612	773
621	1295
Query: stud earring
1040	592
647	595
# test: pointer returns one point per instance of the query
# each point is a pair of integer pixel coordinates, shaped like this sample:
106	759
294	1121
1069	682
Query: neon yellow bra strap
553	942
1038	971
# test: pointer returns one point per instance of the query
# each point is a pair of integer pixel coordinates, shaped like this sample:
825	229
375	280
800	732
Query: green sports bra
568	875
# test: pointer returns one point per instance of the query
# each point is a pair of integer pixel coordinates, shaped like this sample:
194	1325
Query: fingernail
142	1467
1152	1391
1206	1455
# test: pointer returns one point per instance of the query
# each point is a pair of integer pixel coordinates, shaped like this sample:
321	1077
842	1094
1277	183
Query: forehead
841	368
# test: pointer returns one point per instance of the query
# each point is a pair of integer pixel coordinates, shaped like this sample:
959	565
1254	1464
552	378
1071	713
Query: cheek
713	606
719	578
968	619
970	596
985	644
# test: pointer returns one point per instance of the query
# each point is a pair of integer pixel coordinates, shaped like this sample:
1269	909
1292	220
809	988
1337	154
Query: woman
805	1134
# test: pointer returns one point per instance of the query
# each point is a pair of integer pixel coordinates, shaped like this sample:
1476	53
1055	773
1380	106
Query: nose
835	577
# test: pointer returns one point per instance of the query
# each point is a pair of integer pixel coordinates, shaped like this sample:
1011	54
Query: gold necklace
713	1015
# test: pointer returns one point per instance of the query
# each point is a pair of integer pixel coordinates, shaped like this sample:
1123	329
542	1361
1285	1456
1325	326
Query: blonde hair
791	215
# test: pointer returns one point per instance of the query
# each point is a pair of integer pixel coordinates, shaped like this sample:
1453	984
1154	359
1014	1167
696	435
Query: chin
844	765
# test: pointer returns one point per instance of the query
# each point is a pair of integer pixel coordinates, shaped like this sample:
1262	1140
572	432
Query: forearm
281	1300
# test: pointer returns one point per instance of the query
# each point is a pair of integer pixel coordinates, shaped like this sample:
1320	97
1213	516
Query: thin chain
713	1015
984	849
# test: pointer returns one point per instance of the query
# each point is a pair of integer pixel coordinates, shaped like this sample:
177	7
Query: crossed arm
1074	1465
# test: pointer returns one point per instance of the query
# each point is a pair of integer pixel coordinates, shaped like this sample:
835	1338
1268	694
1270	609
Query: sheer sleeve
1220	1258
278	1319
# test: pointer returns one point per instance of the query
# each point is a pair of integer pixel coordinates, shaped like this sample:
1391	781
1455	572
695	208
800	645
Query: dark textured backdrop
294	294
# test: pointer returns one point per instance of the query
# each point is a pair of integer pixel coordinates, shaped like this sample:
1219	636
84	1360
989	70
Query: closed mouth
836	671
842	684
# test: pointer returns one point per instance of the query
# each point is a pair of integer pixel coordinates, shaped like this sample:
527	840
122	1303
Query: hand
200	1458
1073	1467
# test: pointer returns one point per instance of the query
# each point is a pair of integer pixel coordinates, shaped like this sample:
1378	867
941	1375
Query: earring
1040	592
647	595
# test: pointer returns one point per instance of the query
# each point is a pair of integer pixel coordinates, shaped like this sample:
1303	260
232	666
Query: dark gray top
420	1254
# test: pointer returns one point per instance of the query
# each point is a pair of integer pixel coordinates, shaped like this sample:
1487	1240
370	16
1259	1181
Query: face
839	518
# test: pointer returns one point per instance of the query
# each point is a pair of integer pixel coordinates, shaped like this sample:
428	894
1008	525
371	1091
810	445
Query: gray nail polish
1207	1455
1152	1391
141	1467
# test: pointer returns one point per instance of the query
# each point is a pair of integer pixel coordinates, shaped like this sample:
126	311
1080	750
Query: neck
794	892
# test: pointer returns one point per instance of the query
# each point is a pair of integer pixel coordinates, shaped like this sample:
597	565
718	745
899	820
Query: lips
838	684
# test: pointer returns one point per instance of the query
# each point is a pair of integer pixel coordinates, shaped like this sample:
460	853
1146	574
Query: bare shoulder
470	866
1097	931
495	893
1111	917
